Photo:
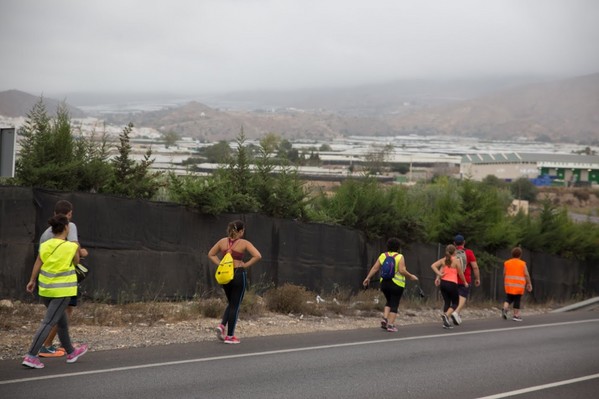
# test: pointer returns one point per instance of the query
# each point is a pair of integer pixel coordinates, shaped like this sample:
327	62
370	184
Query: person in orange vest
515	279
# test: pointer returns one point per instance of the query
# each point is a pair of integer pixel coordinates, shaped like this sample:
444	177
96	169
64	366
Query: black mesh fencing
144	250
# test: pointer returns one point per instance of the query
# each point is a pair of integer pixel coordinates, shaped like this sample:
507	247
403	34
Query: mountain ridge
15	103
564	110
547	110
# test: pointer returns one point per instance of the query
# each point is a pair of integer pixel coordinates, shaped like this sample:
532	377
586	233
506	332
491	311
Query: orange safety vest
514	277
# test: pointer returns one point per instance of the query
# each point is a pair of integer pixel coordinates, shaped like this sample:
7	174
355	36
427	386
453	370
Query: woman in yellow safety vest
515	279
391	287
54	272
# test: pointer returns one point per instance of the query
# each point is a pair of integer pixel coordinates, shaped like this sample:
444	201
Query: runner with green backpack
469	267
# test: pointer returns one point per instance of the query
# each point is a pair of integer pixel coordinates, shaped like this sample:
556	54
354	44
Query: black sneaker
384	323
446	323
504	314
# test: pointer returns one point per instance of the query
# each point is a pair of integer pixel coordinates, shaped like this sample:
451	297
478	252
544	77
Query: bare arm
403	271
476	272
254	253
436	266
212	254
82	252
528	281
373	270
73	236
37	265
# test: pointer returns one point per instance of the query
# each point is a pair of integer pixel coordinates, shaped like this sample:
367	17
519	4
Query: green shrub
252	305
368	300
288	298
212	307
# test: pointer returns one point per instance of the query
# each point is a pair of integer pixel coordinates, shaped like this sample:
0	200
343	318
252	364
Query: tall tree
239	176
170	138
131	179
48	157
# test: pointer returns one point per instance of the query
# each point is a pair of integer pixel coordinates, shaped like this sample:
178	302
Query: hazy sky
199	46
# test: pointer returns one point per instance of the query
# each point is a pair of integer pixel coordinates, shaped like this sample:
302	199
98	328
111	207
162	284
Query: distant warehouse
566	169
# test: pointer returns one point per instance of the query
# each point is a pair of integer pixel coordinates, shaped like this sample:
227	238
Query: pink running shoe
32	362
391	328
231	340
220	332
77	353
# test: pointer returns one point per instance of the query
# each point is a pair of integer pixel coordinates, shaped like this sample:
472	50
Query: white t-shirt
73	237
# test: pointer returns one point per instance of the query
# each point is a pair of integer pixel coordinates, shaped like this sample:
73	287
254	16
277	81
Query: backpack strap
55	248
231	245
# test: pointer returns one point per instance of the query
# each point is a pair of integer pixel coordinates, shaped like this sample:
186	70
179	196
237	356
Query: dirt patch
172	323
576	199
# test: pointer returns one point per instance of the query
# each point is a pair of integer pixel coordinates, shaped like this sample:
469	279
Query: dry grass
287	299
129	325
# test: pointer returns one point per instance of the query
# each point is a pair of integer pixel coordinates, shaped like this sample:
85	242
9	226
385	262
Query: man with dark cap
470	268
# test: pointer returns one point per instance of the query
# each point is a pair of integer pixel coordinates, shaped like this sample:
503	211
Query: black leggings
393	293
449	290
234	292
513	299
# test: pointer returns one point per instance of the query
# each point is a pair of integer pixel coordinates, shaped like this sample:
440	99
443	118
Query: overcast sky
202	46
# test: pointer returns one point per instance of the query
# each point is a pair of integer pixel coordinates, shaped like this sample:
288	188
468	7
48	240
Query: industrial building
560	169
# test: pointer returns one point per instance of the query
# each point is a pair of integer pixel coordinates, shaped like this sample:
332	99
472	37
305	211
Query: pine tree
132	179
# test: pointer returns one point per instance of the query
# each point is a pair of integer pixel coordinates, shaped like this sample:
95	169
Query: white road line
540	387
280	351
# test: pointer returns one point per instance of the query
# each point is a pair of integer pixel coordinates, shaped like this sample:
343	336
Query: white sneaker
457	320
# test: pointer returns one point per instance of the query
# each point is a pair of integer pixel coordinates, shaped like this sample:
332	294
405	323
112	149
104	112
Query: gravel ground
17	330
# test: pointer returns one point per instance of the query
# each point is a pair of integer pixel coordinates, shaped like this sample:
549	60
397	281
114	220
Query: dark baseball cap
459	239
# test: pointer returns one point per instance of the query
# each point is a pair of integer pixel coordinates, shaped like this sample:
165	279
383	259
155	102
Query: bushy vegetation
264	179
245	183
53	156
555	233
288	299
379	211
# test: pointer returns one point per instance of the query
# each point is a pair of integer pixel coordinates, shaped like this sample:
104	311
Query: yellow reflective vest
399	278
57	278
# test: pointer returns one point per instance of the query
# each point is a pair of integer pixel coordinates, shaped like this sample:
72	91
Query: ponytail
235	227
449	252
448	259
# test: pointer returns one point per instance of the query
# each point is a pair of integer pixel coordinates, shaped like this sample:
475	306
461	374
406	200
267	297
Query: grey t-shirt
46	235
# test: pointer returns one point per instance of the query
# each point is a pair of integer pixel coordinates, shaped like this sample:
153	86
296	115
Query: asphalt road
546	356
